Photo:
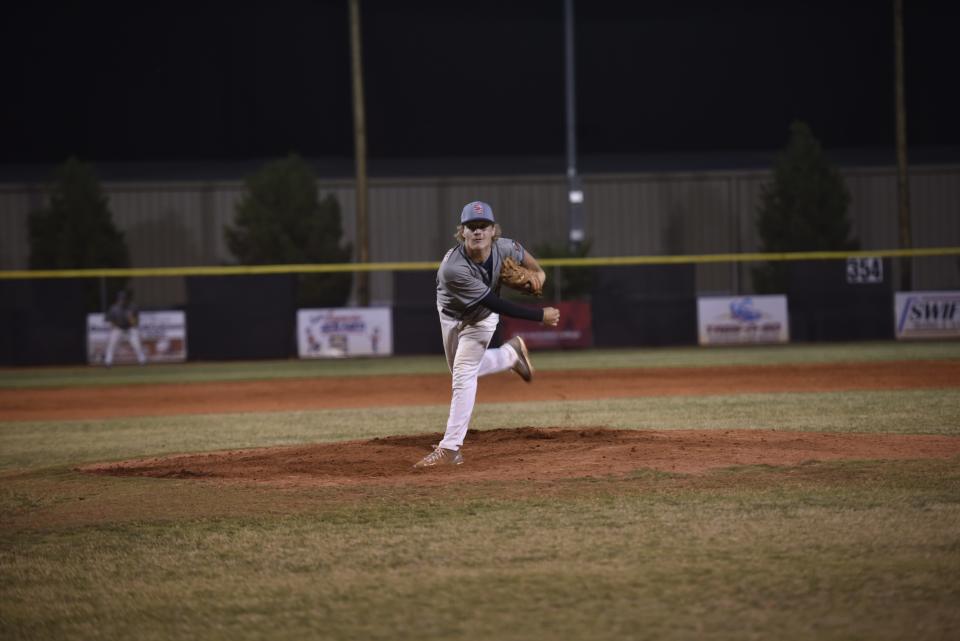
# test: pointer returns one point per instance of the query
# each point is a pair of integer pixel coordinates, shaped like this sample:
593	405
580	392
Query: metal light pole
360	151
574	189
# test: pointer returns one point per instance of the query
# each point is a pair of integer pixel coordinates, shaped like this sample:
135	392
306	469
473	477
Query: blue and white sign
724	320
932	314
344	331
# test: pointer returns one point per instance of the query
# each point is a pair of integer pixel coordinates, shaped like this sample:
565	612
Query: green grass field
842	550
546	361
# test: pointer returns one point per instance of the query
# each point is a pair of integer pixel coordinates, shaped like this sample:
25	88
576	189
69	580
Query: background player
124	318
468	301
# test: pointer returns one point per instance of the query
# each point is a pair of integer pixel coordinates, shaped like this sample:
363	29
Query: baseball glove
516	276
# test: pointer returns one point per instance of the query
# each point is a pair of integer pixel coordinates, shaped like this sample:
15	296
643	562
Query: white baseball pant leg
111	345
468	358
133	335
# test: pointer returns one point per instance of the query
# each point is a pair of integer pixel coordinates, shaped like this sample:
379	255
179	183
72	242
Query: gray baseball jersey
122	316
462	283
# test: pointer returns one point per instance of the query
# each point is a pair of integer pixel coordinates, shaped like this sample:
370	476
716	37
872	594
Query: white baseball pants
133	335
468	359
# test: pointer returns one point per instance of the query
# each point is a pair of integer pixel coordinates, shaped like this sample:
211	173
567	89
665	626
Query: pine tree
282	220
76	231
804	208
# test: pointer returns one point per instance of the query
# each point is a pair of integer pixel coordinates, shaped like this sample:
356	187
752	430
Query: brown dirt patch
531	454
320	393
500	455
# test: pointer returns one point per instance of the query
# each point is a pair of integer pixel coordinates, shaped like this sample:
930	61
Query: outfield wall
180	223
254	316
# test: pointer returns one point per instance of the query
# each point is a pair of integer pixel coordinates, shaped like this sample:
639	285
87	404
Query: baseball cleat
440	456
523	366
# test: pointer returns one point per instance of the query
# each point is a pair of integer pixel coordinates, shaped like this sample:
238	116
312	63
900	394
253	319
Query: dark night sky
216	80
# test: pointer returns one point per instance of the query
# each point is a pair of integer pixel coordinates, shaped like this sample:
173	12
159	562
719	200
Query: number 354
864	270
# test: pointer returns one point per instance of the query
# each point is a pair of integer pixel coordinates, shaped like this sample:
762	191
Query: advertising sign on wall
574	331
163	336
933	314
724	320
344	331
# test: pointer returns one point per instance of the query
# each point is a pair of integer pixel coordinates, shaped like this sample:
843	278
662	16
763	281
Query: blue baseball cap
476	211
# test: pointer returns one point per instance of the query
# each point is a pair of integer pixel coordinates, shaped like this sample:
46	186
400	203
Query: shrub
282	220
804	208
76	230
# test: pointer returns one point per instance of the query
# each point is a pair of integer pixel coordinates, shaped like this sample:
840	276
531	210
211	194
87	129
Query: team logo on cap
478	208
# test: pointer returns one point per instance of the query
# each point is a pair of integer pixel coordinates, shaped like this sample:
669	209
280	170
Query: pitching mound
530	454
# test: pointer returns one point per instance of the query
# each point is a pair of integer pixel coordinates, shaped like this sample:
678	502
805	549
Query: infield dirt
502	455
531	454
39	404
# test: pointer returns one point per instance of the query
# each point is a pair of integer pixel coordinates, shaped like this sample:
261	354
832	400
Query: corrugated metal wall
181	223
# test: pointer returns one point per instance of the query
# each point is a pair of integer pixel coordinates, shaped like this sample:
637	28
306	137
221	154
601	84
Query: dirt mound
530	454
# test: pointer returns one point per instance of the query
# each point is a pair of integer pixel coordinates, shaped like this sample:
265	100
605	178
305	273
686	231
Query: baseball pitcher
469	305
